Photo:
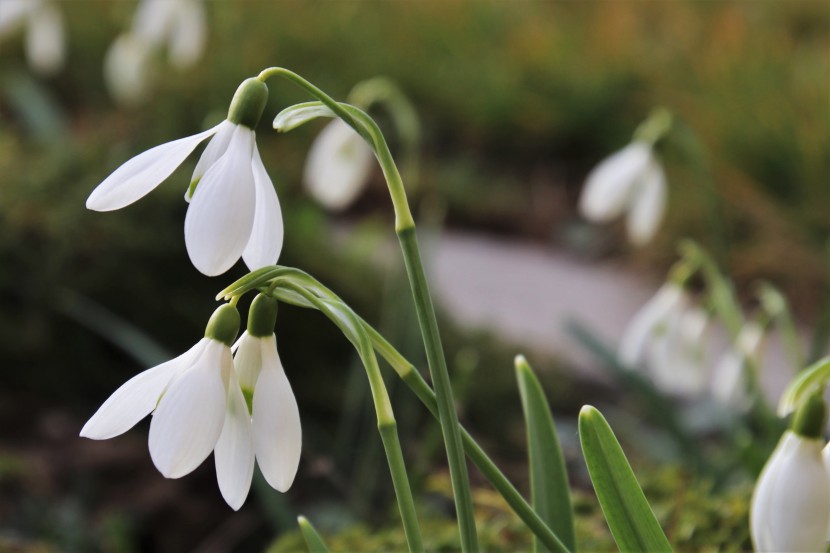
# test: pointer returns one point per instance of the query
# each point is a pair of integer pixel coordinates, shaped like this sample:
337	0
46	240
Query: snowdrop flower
178	25
186	395
630	181
729	381
651	320
338	166
790	507
677	357
234	210
262	419
45	43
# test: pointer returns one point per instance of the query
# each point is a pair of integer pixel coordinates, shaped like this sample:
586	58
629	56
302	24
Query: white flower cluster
667	338
239	407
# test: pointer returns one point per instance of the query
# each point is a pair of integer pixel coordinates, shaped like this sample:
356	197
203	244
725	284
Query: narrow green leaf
807	381
629	516
312	539
548	476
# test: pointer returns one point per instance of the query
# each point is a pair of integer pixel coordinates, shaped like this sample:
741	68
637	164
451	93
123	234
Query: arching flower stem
276	280
353	328
405	229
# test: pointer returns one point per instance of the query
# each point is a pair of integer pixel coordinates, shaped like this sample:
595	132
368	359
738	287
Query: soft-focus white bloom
677	356
729	381
234	210
177	25
630	181
651	320
267	428
45	42
338	166
791	504
187	398
666	337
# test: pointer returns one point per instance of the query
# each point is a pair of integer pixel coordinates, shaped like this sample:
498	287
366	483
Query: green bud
248	103
223	325
810	418
262	316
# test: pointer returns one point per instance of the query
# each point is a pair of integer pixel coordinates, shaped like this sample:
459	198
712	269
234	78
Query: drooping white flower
630	181
790	507
651	320
262	420
677	357
177	26
729	381
234	210
186	395
338	166
45	41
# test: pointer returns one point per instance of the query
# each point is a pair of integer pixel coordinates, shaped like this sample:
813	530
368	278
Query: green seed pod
262	316
248	103
223	325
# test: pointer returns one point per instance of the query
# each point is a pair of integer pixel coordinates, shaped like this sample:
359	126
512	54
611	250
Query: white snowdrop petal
127	70
609	185
638	332
248	360
45	40
215	149
647	205
338	166
276	422
143	173
265	244
188	34
14	12
153	21
760	504
136	398
188	420
234	452
221	213
798	502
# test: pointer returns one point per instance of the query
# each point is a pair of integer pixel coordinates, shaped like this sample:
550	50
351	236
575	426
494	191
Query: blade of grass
629	516
548	476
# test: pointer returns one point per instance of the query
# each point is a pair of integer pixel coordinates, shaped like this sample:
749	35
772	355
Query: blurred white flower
234	211
677	356
179	26
630	181
790	507
729	382
187	398
338	166
45	42
651	320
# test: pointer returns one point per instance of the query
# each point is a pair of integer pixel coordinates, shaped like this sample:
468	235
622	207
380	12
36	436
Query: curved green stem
405	229
352	327
412	377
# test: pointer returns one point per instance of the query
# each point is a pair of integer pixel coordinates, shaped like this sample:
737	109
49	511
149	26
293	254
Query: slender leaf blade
312	539
629	516
550	493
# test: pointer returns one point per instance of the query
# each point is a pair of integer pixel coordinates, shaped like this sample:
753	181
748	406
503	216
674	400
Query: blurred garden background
517	101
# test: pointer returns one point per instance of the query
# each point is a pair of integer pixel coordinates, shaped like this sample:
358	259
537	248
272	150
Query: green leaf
807	381
299	114
312	539
548	476
629	516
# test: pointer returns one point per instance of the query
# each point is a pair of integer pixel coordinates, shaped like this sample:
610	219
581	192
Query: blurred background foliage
517	99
